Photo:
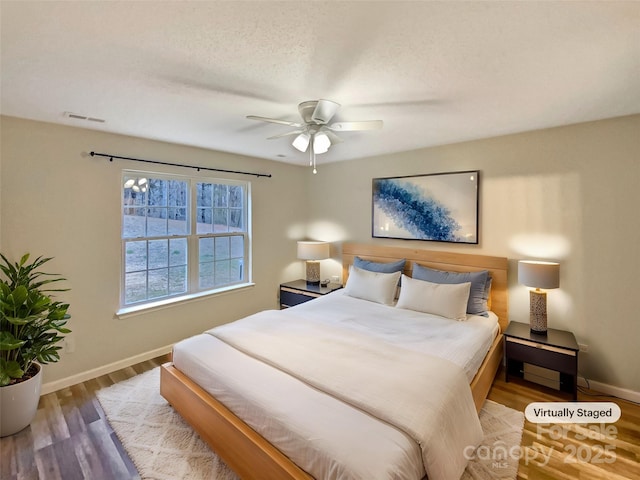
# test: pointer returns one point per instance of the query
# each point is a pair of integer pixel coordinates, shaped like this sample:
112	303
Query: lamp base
313	272
538	312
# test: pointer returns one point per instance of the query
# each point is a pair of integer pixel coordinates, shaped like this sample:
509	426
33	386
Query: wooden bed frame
253	457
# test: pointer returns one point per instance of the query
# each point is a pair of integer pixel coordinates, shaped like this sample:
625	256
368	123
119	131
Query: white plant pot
19	403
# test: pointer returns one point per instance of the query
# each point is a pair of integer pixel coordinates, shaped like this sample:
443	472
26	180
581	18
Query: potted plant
31	326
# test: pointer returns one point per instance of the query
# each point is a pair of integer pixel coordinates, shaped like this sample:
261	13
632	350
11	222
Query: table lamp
538	275
312	252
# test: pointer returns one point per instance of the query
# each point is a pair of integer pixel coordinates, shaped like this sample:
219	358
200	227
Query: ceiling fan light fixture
321	143
301	142
315	133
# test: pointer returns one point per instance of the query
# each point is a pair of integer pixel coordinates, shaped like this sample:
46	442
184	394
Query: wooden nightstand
557	351
298	291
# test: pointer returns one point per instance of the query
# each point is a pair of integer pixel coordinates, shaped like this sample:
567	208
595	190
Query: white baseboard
612	390
104	370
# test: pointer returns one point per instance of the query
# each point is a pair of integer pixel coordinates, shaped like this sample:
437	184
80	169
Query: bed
248	452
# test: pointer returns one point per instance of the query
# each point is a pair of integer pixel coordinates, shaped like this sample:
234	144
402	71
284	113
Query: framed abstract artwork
440	207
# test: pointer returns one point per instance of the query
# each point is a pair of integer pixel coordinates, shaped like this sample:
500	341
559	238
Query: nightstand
557	351
298	291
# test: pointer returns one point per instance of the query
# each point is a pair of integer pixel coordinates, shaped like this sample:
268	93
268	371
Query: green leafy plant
31	322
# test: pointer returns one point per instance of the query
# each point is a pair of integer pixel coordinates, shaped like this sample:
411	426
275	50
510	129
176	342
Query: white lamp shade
313	250
301	142
539	274
321	143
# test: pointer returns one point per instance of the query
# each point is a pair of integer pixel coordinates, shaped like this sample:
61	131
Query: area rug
162	446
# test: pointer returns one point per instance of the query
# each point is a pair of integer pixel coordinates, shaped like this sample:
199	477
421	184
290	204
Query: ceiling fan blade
324	111
354	126
294	132
273	120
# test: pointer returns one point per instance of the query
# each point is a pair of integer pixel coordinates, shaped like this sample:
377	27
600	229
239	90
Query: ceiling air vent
77	116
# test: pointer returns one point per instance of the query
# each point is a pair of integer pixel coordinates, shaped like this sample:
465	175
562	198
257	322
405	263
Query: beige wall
567	193
570	194
58	202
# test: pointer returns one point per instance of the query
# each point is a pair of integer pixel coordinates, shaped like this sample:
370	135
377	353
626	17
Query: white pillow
373	286
446	300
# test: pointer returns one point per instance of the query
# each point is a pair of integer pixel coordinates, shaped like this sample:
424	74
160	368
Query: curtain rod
111	157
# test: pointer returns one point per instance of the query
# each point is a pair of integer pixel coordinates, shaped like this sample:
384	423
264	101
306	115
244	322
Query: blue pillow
379	267
480	285
390	267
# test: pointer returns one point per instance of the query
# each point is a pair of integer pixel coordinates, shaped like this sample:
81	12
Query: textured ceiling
434	72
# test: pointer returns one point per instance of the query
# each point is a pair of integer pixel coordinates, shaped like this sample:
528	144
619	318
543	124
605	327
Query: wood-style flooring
568	452
71	439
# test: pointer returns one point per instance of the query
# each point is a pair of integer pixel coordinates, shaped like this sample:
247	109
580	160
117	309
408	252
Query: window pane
158	253
222	273
135	287
236	271
205	250
177	221
178	251
177	193
235	220
204	194
204	220
158	283
133	194
235	196
220	195
237	246
135	258
157	192
220	220
222	248
156	222
205	275
134	222
177	280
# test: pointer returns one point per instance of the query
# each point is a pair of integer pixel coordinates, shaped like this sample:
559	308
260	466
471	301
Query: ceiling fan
315	132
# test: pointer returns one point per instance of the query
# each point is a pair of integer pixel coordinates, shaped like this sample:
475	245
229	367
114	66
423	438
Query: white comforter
375	365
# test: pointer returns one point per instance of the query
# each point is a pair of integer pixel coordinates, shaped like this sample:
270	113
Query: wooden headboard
454	262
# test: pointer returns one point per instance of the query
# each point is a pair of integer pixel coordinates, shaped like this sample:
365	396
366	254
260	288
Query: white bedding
335	440
463	343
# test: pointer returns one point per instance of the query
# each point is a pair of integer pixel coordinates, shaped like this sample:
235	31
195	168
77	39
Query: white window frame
193	241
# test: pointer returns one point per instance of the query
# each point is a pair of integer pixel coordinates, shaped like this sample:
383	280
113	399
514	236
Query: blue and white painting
441	207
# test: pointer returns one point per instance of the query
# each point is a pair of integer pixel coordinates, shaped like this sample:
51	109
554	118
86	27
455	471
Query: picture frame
439	207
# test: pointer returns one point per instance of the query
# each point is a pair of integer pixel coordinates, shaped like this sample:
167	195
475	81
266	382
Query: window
182	236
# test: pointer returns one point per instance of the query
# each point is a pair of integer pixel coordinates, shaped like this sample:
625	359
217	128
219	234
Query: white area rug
164	447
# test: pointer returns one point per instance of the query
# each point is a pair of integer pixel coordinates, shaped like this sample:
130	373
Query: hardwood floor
571	451
71	439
